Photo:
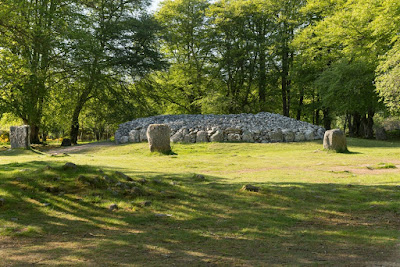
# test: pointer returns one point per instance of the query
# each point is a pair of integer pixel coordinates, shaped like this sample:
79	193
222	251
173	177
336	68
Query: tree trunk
35	131
300	107
327	119
370	125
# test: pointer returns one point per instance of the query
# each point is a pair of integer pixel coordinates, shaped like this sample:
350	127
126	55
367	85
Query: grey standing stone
201	137
134	136
20	136
335	140
218	136
158	136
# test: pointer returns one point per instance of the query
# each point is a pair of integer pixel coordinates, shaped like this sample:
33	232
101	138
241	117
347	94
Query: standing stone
158	136
218	136
20	136
134	136
335	140
201	137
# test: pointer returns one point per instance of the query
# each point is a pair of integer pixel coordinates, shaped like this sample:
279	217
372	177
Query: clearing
314	207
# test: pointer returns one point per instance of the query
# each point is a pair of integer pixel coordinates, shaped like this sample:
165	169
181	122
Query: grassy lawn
314	207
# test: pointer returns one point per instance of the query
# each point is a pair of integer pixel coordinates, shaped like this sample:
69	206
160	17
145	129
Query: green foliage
388	78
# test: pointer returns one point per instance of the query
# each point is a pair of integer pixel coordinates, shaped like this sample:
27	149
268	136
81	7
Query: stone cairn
335	140
158	136
20	137
253	128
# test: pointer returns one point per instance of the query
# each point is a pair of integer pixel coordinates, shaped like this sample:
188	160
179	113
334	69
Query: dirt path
79	148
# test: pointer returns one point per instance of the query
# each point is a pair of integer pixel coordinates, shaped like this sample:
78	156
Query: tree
109	44
31	37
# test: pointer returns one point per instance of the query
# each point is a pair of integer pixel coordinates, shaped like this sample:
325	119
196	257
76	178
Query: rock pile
260	128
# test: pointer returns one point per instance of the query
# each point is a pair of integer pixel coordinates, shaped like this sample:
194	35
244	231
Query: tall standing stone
158	136
20	136
335	140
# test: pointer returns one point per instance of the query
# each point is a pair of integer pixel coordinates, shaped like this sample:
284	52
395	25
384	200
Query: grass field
314	207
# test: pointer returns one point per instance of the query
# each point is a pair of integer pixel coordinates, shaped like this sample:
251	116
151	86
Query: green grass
314	207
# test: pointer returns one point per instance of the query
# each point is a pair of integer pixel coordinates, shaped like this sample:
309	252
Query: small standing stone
335	140
159	138
2	201
20	136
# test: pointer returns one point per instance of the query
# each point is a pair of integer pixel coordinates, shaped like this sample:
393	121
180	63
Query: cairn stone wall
253	128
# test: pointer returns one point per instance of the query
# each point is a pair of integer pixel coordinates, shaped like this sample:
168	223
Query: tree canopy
68	63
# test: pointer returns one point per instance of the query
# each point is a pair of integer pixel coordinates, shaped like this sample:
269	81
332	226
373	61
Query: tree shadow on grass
211	223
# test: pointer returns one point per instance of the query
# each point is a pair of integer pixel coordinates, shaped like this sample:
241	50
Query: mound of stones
253	128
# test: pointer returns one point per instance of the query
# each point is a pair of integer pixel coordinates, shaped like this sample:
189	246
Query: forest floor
313	208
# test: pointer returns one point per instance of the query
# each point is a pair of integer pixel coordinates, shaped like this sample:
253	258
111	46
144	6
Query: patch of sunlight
158	249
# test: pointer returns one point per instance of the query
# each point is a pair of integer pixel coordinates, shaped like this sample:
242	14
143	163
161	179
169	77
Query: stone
199	177
276	136
124	140
247	136
66	142
201	137
113	207
69	166
20	137
288	135
309	135
380	133
185	128
234	137
2	201
143	135
232	130
158	136
218	136
335	140
123	176
177	137
145	203
187	138
249	187
299	137
134	136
